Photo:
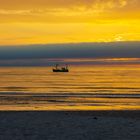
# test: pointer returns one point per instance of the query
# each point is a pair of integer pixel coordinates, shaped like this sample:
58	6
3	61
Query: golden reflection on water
83	88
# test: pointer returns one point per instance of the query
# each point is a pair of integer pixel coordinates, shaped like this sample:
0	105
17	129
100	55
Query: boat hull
57	70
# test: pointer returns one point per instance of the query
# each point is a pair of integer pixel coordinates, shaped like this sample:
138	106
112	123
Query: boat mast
56	66
66	66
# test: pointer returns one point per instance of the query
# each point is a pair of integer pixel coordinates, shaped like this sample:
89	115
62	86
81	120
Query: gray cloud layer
40	54
83	50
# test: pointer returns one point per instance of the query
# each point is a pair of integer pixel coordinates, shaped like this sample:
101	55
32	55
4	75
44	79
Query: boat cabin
62	69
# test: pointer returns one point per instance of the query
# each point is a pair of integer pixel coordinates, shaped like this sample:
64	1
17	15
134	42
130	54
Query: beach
70	125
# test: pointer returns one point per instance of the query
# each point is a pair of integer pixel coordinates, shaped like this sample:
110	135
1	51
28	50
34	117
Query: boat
63	69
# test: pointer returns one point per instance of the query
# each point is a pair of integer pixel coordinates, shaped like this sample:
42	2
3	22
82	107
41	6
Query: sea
89	87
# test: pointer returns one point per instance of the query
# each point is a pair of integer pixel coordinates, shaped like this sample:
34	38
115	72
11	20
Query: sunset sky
68	21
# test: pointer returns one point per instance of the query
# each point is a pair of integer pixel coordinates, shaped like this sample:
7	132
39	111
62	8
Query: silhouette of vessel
63	69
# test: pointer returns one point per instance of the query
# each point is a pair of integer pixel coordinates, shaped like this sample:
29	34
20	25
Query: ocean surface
108	87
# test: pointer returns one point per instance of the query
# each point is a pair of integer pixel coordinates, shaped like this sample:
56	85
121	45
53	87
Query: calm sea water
83	88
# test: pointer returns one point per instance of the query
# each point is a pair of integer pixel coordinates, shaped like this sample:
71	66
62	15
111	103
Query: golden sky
64	21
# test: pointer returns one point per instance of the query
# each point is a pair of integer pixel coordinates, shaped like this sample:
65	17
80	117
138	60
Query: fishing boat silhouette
62	69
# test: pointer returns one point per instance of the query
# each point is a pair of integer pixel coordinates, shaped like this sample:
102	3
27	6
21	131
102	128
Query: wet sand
70	125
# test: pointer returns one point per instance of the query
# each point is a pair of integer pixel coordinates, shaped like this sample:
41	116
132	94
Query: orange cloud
64	8
62	21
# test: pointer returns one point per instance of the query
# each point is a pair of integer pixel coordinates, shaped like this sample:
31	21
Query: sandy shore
63	125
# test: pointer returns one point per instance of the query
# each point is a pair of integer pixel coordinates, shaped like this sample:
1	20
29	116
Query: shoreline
100	113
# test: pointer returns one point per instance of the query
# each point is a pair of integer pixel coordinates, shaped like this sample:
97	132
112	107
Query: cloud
15	12
64	11
81	50
61	21
87	53
59	3
62	7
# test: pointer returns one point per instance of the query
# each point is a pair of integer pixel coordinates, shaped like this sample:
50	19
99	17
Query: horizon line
73	43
